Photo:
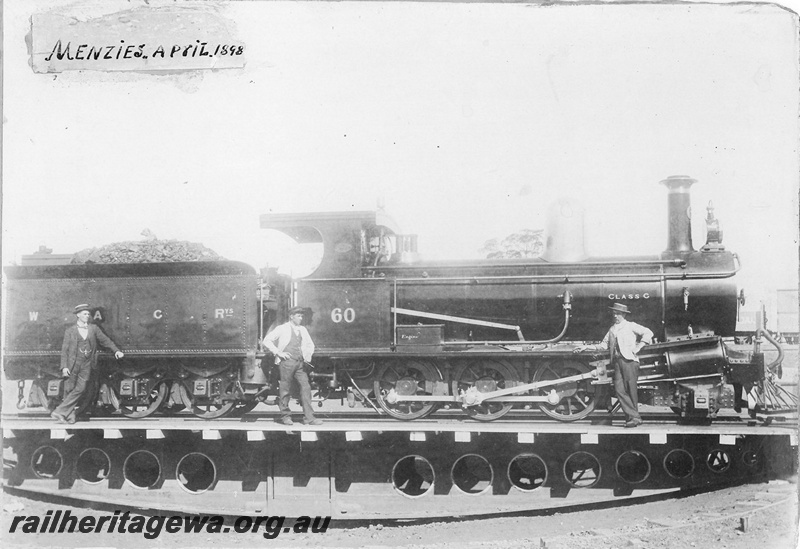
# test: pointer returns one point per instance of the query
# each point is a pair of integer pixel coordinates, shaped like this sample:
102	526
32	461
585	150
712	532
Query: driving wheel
406	378
486	376
569	401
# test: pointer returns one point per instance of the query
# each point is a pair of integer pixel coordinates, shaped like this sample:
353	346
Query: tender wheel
40	394
39	391
144	406
210	408
573	400
243	407
407	377
107	401
486	376
171	411
175	401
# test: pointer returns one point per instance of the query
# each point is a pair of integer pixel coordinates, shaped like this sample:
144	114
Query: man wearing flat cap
78	362
624	340
292	346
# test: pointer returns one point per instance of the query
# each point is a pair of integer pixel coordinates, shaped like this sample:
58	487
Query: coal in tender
147	251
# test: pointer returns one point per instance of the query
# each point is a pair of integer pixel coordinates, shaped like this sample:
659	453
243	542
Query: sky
466	121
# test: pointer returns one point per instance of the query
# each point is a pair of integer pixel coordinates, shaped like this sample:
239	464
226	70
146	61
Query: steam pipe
567	305
761	330
675	262
562	278
520	342
778	361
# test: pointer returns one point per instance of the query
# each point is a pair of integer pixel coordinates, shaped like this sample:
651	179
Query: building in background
788	313
782	316
45	256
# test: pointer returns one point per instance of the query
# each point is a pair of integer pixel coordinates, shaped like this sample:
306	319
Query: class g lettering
623	297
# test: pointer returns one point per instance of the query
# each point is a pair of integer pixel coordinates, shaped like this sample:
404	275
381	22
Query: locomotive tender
397	334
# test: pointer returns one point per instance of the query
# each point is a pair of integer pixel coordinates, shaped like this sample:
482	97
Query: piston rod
473	397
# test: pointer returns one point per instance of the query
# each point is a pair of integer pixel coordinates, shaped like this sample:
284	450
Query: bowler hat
620	308
295	310
81	307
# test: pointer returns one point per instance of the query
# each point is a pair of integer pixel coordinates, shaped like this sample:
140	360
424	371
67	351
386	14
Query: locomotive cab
350	240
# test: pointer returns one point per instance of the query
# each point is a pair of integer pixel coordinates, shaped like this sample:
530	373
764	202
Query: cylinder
679	238
696	358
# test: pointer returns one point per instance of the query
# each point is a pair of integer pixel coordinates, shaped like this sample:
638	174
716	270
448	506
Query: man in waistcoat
292	346
78	363
623	341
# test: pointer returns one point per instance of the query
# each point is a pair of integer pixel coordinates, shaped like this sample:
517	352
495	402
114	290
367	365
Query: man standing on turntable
292	346
78	363
624	340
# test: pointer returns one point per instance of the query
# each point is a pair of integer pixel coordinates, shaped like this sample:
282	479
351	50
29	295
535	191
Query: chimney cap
678	181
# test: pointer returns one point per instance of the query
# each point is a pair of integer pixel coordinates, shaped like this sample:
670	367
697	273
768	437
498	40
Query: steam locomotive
399	335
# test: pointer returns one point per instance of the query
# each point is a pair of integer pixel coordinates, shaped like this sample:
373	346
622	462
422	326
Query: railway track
367	418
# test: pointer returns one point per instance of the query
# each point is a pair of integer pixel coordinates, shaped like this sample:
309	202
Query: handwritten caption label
135	40
86	52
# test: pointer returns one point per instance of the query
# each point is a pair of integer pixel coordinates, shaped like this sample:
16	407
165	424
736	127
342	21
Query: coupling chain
21	394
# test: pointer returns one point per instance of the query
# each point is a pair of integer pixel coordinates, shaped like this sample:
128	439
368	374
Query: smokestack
679	238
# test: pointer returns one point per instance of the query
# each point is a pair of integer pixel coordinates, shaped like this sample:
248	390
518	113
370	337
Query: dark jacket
69	350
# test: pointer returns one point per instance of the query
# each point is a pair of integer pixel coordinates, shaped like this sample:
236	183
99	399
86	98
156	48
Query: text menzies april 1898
92	52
